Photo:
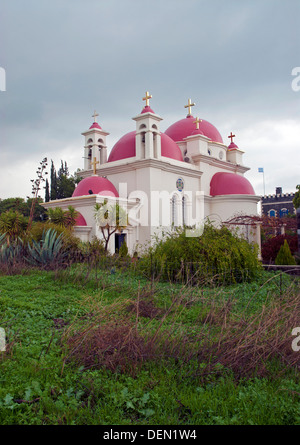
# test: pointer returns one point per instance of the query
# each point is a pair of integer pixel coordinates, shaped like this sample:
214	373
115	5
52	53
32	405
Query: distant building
278	205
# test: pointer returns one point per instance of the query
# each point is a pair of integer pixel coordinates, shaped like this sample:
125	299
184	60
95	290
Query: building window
284	212
272	213
184	211
174	210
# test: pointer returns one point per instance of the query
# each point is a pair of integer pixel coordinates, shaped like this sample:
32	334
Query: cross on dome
189	105
147	97
197	122
231	136
93	164
95	116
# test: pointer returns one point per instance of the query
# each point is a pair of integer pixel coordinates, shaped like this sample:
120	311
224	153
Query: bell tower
95	149
148	136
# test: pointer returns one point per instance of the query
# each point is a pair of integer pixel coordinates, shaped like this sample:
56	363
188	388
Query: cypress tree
284	256
53	187
47	192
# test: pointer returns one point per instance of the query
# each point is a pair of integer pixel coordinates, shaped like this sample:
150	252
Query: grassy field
112	348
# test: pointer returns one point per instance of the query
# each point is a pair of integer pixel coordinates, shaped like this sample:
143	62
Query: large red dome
230	184
125	148
95	185
186	127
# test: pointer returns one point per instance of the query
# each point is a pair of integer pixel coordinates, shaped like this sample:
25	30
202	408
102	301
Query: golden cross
231	136
93	164
148	96
197	122
95	115
189	105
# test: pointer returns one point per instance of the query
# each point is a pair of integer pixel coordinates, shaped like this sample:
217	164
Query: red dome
185	127
80	220
95	185
125	148
232	146
96	125
230	184
147	109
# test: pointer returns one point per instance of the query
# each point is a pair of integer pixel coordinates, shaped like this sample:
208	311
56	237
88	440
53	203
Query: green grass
37	385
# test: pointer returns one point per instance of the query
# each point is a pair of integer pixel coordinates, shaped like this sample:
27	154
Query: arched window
272	213
174	210
143	147
184	222
284	212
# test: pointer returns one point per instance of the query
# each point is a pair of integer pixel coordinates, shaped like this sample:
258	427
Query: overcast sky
65	58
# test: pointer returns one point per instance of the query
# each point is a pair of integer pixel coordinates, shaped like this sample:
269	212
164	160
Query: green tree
284	256
47	191
110	219
24	207
53	182
296	200
15	204
62	183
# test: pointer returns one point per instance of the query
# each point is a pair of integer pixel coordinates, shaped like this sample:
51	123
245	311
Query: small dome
95	125
80	220
232	146
185	127
95	185
125	148
147	109
230	184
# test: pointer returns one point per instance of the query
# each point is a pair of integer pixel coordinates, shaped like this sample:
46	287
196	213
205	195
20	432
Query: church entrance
120	238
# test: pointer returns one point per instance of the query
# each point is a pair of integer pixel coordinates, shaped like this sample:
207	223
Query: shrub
270	248
284	255
123	252
70	242
218	256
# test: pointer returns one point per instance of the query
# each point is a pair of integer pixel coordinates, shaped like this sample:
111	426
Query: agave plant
49	252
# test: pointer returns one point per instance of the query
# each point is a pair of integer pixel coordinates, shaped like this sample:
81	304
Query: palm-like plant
13	224
63	218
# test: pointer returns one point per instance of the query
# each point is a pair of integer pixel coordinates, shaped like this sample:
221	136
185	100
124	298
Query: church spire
95	149
148	139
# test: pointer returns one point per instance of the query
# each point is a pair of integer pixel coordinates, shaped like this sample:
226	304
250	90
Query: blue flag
260	170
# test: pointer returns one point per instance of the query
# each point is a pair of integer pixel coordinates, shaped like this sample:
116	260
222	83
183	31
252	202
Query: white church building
179	177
